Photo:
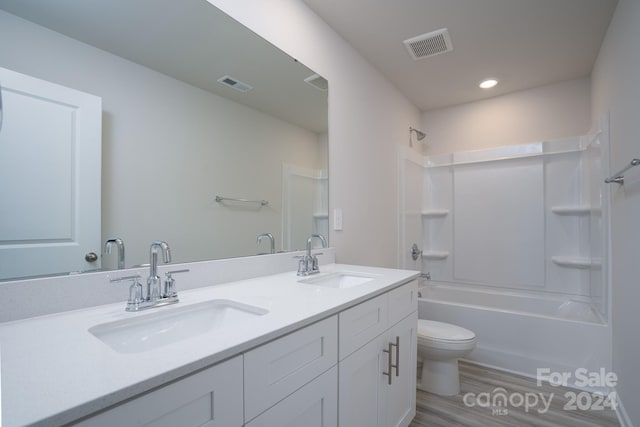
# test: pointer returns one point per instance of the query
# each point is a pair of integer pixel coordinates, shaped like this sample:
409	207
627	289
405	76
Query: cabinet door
314	405
400	395
361	385
210	398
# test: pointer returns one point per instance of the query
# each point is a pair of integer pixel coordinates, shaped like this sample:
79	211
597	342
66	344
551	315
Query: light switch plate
337	219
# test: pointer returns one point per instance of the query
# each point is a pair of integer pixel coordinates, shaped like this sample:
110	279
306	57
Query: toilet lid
443	331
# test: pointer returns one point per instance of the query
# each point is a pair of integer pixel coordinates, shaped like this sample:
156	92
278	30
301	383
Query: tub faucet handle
415	252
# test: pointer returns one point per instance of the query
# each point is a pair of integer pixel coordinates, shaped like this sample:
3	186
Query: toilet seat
444	335
441	331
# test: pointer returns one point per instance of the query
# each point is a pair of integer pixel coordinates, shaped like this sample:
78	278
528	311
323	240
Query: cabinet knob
91	257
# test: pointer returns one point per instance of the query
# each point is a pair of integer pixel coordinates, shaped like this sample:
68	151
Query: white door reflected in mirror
50	161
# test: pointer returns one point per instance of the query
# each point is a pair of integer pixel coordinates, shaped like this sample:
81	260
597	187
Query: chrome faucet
156	295
271	240
309	263
120	245
154	291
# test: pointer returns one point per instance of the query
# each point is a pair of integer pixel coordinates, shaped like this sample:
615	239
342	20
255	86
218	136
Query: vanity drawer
275	370
211	398
361	324
402	302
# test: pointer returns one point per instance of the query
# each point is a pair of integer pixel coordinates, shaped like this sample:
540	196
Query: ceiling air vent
235	84
430	44
318	82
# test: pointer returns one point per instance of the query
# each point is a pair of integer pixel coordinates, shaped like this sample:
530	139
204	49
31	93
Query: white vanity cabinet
380	373
209	398
327	374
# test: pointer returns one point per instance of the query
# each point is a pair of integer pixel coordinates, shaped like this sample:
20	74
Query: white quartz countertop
54	371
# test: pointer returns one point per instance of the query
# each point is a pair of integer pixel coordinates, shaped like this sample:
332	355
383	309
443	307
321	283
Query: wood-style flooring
438	411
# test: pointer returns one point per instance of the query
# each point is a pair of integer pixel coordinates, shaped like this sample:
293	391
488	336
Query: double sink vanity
334	348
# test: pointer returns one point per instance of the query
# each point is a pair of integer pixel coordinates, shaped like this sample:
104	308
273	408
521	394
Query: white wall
368	118
548	112
615	89
202	145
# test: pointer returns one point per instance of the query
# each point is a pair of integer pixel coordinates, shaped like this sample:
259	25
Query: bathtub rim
559	298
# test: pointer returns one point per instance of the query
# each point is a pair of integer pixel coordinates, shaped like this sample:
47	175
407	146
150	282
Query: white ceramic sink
340	280
149	331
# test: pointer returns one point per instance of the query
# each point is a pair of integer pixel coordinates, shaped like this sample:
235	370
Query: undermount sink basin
338	280
150	331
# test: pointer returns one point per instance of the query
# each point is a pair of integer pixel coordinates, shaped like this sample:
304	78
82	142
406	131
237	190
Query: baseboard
523	365
514	363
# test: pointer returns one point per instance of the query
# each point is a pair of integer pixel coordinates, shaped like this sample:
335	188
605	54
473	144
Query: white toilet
440	345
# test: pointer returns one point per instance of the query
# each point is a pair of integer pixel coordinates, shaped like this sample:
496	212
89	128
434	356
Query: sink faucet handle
170	283
302	266
124	279
184	270
135	291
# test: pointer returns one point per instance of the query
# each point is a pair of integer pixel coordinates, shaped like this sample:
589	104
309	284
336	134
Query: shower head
419	134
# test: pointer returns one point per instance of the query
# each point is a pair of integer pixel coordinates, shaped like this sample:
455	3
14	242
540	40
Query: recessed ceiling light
488	83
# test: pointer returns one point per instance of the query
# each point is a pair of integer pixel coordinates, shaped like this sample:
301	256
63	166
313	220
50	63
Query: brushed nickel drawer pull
389	362
397	365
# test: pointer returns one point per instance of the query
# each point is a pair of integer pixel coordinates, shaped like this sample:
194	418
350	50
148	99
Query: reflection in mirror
173	136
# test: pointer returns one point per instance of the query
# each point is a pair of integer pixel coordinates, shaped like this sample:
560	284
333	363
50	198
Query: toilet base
440	377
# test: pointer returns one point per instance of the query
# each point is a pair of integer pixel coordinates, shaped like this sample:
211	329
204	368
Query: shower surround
515	241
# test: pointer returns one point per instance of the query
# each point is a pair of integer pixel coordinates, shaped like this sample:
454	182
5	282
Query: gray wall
615	89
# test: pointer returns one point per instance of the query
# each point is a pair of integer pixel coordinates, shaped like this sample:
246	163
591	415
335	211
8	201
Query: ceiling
191	41
522	43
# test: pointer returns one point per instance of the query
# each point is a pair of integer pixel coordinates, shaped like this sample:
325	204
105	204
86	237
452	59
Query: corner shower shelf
576	262
572	210
435	255
435	213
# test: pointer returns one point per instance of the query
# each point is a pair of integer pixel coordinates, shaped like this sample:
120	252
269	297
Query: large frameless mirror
196	111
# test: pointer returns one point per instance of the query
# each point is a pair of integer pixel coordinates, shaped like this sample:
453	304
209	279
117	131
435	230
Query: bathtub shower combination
514	242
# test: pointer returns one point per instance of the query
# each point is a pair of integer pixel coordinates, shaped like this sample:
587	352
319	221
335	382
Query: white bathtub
519	332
